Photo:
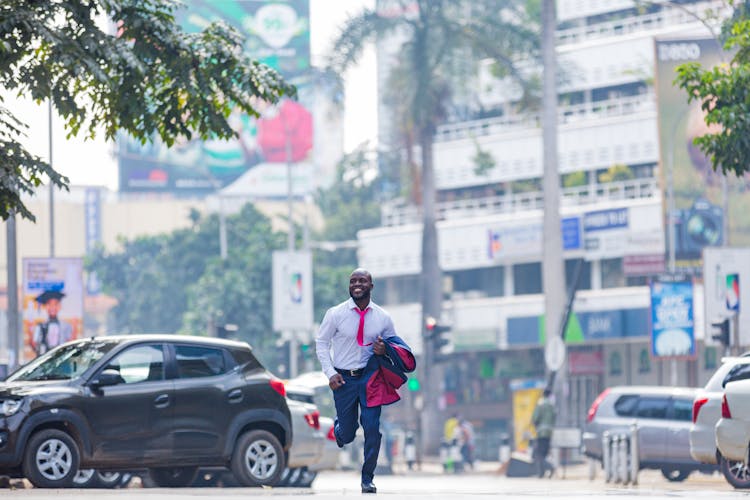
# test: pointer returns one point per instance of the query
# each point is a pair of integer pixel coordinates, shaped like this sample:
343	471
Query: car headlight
9	407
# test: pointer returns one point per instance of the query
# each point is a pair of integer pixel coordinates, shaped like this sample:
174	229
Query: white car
706	413
733	429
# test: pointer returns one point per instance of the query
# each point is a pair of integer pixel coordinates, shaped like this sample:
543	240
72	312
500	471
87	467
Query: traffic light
413	384
723	332
436	333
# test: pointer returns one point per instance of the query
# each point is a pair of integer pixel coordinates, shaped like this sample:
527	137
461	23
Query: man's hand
336	381
379	346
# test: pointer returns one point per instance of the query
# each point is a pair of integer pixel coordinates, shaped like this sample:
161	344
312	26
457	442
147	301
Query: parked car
304	465
663	418
165	403
706	414
733	428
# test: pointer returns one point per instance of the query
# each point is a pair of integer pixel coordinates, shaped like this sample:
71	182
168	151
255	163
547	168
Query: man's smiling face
360	284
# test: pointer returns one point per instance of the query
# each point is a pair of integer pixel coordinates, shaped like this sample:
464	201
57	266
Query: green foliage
148	79
724	94
483	160
575	179
348	205
616	173
526	186
177	282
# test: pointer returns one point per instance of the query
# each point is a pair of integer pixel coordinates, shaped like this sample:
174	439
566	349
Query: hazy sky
93	162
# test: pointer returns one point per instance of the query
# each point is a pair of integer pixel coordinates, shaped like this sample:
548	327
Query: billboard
292	291
52	303
672	324
726	272
698	192
277	33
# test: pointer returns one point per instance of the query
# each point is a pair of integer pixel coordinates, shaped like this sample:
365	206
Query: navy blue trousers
347	403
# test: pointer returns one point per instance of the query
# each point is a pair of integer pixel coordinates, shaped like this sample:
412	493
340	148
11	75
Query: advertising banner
525	395
292	291
698	192
52	303
672	325
277	33
726	278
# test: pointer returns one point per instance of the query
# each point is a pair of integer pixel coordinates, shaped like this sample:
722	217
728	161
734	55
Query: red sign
586	363
643	265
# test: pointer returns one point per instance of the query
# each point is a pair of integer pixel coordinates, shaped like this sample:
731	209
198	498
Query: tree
149	78
435	34
723	94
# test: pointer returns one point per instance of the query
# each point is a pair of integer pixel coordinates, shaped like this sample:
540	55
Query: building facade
490	224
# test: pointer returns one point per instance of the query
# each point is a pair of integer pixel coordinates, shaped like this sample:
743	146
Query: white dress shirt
339	331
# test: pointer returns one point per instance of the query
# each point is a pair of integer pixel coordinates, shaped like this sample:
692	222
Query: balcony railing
398	212
669	16
620	106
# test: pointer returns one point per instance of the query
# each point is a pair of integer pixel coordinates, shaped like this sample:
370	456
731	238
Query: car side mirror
106	378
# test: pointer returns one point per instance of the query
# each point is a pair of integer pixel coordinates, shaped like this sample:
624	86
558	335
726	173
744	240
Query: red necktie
361	329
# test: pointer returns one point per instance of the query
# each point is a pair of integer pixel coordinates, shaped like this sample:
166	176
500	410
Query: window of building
527	278
709	358
584	279
397	290
615	363
487	281
644	362
612	274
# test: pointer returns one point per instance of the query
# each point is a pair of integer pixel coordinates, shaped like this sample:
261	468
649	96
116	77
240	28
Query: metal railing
398	212
669	16
620	458
620	106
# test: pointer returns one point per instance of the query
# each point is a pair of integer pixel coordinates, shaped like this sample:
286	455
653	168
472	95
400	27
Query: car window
737	372
245	358
625	405
143	363
66	362
652	407
682	409
714	383
199	361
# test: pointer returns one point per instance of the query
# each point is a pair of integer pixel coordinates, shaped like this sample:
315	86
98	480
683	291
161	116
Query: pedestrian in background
364	361
543	418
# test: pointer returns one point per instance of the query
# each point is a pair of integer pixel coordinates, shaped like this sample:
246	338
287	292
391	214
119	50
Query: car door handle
161	401
235	396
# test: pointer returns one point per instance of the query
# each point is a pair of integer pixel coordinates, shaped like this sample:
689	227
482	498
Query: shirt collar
350	304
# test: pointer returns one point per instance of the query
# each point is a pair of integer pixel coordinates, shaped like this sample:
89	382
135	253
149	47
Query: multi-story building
490	224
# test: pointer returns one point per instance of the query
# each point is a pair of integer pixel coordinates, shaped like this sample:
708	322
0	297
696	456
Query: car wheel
735	472
258	459
173	477
84	478
675	475
51	459
108	479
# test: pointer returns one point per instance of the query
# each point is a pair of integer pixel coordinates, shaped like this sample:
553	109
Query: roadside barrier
620	456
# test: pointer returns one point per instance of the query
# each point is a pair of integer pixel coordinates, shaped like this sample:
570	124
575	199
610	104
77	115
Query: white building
490	234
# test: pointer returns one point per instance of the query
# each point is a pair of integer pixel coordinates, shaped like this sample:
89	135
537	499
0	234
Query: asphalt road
485	483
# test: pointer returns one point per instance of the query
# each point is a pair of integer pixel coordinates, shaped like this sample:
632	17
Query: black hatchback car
165	403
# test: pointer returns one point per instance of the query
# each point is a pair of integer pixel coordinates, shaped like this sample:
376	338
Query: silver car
706	414
663	417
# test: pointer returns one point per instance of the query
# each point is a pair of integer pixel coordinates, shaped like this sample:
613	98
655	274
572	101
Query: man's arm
323	344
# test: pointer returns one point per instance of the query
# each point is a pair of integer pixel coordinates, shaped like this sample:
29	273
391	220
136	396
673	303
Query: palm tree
435	34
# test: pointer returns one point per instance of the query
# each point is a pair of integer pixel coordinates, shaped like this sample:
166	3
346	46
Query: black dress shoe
368	487
339	443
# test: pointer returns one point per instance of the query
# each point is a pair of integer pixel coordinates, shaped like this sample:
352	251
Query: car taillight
725	413
313	419
595	405
278	386
697	404
331	435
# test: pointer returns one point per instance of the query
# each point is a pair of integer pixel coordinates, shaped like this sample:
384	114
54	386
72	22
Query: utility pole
51	189
293	343
553	274
13	320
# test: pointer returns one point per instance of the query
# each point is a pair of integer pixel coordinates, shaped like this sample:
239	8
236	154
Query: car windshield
64	363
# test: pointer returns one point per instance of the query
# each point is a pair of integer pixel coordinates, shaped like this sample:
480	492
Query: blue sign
672	325
571	233
602	220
